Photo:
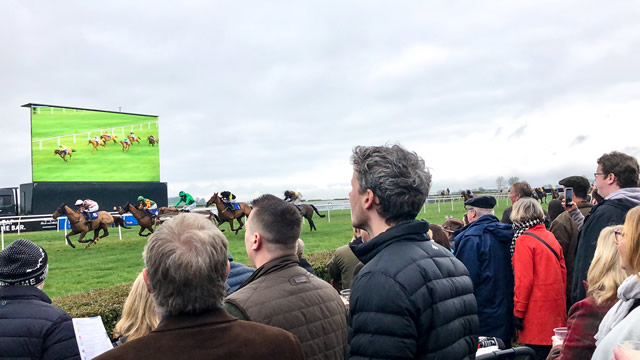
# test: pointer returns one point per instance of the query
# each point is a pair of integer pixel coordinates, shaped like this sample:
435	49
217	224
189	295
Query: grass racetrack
113	261
110	163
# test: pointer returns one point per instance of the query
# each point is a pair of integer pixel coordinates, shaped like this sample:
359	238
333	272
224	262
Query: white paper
91	336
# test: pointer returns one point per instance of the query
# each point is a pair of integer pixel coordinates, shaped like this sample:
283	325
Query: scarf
628	291
519	228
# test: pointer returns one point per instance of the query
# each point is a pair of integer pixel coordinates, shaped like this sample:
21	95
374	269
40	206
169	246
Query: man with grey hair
302	261
483	247
186	268
280	292
412	299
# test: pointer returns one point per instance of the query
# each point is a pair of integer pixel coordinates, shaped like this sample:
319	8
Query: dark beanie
23	263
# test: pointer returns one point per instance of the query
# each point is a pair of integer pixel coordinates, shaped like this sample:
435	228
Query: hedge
107	302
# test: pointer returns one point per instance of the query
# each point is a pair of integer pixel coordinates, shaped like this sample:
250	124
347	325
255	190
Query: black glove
517	323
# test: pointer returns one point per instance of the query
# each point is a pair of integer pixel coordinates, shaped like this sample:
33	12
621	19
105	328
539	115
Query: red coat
540	285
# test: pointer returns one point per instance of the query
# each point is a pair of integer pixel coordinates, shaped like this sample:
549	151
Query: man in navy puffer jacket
412	299
30	327
238	274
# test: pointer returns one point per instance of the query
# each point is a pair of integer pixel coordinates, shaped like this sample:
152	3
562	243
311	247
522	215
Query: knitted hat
23	263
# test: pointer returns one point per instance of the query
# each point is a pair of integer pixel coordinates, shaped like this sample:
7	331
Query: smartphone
568	195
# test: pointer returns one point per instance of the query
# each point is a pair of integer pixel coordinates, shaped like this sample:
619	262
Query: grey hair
482	212
299	247
526	209
186	259
396	176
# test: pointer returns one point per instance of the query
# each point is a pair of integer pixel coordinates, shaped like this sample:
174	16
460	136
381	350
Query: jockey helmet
181	193
79	202
140	198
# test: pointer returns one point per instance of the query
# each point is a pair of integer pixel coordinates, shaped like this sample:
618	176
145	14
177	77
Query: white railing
99	131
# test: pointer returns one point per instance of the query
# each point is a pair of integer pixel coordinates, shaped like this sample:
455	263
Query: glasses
468	208
619	236
596	174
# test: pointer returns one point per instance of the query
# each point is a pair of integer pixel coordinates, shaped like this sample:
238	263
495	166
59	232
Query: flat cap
579	183
482	202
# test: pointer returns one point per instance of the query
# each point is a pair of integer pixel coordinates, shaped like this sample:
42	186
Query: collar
274	265
410	230
217	316
23	293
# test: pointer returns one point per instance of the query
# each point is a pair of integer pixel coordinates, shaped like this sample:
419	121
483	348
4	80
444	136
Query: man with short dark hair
483	247
30	327
517	191
616	179
280	292
565	230
412	299
186	269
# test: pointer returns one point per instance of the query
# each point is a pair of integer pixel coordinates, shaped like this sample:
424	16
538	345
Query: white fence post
19	225
66	219
119	232
2	230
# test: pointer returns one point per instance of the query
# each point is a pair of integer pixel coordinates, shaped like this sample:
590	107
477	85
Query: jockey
86	207
106	136
132	135
228	198
293	196
64	149
147	205
126	141
96	139
189	203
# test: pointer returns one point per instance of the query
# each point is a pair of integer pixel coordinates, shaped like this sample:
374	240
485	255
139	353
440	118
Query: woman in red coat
540	278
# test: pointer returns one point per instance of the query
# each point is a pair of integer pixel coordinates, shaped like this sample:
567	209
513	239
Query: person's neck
609	191
265	258
377	227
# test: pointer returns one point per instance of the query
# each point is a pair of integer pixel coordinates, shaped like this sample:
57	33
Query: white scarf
628	291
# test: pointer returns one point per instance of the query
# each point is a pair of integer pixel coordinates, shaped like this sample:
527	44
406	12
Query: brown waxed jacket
282	294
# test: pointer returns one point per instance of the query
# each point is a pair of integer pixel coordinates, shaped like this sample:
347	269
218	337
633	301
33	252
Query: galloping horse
465	195
125	146
152	140
79	225
170	210
96	143
107	137
133	138
143	219
63	154
540	195
554	193
307	212
226	215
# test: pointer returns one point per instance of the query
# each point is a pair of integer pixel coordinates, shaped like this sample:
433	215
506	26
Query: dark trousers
541	351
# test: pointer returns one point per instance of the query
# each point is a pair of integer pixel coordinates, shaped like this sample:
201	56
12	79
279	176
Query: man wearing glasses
616	179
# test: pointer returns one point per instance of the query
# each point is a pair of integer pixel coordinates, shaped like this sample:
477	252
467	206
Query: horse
79	224
63	154
133	138
172	211
554	194
465	195
226	215
152	140
540	195
125	146
107	137
144	220
96	143
307	212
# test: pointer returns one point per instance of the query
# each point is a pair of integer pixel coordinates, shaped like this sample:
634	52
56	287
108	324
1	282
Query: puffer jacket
32	328
238	274
483	247
412	299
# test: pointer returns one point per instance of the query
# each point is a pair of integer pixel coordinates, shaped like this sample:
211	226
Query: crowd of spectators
410	289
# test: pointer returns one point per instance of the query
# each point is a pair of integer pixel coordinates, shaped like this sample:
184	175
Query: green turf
140	163
113	261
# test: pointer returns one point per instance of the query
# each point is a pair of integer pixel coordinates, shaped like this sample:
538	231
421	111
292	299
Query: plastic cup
560	332
345	294
630	348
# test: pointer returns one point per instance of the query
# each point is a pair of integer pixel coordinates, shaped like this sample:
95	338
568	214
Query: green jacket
187	198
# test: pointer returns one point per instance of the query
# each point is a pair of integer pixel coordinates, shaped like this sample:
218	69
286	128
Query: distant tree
512	180
500	181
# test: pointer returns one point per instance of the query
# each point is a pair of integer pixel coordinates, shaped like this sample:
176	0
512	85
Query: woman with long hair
139	314
540	278
603	279
620	323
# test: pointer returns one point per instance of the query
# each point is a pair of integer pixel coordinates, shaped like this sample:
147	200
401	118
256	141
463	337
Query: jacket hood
488	224
630	194
411	230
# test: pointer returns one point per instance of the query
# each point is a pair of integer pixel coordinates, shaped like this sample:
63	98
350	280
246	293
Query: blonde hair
605	273
632	240
139	314
526	209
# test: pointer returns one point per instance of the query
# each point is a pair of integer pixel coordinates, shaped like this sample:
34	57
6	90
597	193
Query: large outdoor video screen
72	144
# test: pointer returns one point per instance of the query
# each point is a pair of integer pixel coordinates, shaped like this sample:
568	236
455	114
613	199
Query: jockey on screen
86	207
147	205
64	149
189	203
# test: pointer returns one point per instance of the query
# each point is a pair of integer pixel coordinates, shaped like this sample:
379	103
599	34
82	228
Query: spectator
483	247
604	277
238	274
595	197
30	327
280	292
139	315
616	179
519	191
186	269
621	322
565	229
540	278
412	299
302	261
452	227
555	209
342	265
439	236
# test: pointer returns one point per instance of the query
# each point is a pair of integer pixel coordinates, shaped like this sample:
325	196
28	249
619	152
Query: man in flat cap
566	230
30	327
483	247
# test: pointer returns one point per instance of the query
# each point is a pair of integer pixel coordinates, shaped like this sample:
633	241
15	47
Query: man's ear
228	269
612	179
256	241
370	199
145	277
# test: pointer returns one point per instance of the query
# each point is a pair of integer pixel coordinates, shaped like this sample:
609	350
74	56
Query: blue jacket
412	299
238	274
32	328
483	247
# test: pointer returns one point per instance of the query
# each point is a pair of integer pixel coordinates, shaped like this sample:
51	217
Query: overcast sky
264	96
